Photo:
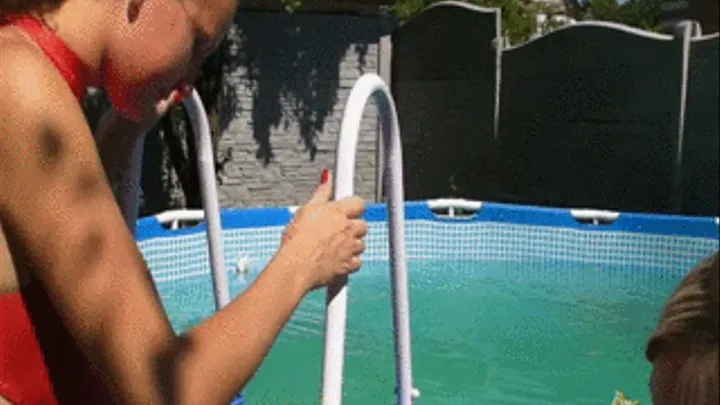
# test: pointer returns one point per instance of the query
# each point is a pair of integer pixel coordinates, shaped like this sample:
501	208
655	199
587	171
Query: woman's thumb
323	193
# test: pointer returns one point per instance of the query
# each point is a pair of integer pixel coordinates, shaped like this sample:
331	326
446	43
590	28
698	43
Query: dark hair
690	320
692	309
15	7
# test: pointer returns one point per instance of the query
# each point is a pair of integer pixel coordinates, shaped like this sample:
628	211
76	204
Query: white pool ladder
129	195
371	85
208	188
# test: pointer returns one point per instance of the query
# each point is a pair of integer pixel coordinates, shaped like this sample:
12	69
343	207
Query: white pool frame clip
371	85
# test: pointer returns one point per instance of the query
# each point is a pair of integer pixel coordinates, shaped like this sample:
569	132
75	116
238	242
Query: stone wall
288	77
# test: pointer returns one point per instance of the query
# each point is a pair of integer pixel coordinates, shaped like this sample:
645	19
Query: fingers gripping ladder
370	85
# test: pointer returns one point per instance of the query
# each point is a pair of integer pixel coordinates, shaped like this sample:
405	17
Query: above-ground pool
512	305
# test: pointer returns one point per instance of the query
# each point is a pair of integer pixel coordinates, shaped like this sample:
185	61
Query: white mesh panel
172	258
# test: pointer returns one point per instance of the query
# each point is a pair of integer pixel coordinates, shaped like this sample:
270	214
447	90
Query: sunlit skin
206	22
62	228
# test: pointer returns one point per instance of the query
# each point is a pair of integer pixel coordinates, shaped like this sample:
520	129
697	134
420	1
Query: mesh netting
173	258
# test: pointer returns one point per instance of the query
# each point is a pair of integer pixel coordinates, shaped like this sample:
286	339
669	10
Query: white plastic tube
208	187
370	85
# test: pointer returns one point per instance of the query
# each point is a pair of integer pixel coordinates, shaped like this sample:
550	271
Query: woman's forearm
232	344
213	361
120	145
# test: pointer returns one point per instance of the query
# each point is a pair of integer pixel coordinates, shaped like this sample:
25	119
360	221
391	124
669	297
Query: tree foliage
644	14
519	16
519	20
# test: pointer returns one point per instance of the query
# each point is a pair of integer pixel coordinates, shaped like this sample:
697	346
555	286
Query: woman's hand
329	235
123	126
162	107
120	143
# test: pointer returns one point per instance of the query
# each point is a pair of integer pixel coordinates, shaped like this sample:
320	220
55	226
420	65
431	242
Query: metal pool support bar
208	187
370	85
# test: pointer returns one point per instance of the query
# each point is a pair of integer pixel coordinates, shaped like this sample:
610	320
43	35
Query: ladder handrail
208	187
370	85
129	195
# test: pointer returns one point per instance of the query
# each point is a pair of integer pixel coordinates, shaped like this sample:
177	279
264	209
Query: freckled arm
59	215
120	145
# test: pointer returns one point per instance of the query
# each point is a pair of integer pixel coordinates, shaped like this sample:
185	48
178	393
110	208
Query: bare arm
59	213
120	145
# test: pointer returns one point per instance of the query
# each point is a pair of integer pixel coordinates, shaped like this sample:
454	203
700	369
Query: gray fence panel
444	66
700	155
589	117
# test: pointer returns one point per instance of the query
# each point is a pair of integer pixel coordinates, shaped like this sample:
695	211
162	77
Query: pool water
483	333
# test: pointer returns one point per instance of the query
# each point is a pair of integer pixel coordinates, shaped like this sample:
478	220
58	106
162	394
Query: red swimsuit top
40	364
75	72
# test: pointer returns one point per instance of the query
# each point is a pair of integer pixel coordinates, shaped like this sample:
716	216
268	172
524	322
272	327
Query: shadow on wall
170	175
295	61
281	68
169	172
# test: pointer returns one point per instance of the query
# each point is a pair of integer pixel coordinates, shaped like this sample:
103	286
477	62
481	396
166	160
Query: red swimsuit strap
75	72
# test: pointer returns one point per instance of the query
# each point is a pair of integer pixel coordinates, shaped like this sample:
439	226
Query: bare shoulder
33	95
36	109
30	86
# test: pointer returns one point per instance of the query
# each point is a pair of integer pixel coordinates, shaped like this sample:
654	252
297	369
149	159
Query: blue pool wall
669	225
705	229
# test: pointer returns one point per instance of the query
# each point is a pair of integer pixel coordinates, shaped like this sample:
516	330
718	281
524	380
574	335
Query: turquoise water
483	333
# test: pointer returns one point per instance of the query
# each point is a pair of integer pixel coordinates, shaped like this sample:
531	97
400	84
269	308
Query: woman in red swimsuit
80	321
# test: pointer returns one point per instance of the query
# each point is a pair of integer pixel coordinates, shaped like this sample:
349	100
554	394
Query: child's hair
15	7
689	322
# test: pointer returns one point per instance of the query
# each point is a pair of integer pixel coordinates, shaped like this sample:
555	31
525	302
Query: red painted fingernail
324	176
179	96
184	87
